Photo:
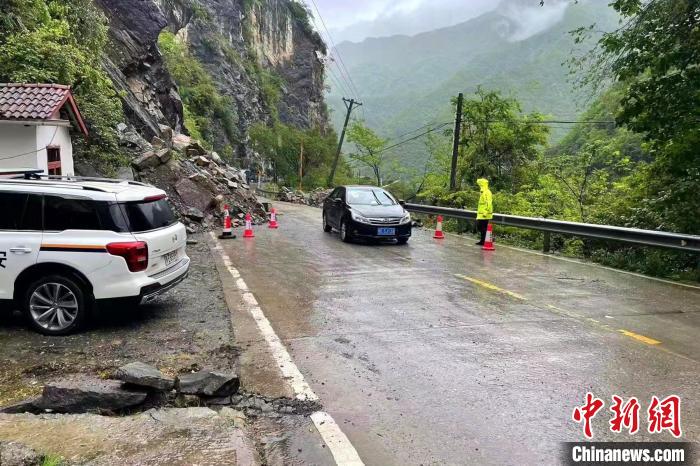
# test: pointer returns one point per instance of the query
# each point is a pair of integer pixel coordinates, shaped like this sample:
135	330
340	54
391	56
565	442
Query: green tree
587	177
498	141
281	144
369	148
62	42
655	55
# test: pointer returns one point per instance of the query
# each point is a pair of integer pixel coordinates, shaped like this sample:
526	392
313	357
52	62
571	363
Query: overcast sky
357	19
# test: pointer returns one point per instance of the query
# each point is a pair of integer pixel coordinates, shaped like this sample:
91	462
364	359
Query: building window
53	155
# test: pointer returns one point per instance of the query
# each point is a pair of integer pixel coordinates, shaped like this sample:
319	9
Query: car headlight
406	218
359	218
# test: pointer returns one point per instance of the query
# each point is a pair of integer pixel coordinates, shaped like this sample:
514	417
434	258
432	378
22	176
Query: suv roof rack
20	171
41	176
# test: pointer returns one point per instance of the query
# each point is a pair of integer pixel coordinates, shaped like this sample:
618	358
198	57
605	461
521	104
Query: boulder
192	194
232	185
164	155
216	158
79	396
147	160
125	173
181	142
218	200
24	406
143	375
197	177
208	383
197	147
18	454
131	138
166	134
195	214
157	142
201	160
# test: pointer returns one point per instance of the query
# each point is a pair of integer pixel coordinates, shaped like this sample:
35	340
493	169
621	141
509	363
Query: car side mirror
402	202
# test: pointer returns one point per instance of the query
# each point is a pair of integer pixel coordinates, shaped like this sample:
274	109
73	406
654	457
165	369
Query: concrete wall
18	139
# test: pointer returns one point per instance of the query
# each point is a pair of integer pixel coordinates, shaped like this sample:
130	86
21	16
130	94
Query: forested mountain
519	49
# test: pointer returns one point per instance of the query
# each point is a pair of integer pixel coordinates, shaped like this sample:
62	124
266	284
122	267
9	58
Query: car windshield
366	196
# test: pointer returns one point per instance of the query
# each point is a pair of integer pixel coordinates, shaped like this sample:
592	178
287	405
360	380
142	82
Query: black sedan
366	212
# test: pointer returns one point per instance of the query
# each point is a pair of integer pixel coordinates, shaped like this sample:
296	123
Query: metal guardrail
271	193
659	239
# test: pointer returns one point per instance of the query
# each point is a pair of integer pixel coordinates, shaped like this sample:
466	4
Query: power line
437	128
340	58
340	87
417	129
442	125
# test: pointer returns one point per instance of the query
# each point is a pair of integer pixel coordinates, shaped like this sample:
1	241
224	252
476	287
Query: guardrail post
547	242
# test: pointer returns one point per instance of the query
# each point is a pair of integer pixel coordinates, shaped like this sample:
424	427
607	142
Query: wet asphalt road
440	353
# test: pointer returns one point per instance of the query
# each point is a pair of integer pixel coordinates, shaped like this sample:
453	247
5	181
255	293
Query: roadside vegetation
203	104
61	42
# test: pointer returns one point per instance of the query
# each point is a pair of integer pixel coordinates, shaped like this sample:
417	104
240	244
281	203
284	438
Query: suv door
20	237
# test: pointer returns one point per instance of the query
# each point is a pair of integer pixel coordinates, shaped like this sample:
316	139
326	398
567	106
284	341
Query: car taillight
135	253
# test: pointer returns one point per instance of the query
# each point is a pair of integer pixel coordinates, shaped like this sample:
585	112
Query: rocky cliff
261	54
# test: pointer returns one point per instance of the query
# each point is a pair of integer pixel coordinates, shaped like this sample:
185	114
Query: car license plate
170	257
386	231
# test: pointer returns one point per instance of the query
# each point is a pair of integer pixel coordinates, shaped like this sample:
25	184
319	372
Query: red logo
587	412
665	415
662	415
626	416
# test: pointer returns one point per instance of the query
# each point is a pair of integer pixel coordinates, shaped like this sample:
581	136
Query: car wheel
344	234
326	227
402	241
56	305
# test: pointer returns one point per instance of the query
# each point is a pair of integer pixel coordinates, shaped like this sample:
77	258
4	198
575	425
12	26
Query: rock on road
439	353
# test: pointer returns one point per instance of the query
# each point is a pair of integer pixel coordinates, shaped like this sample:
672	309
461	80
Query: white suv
66	243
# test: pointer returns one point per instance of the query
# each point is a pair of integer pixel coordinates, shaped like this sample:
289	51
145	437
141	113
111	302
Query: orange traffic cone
248	226
438	229
273	219
488	243
227	230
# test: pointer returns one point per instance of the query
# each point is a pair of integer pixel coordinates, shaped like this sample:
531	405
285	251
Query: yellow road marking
563	312
642	338
492	287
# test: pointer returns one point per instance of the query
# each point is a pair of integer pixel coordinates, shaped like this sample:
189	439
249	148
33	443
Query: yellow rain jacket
485	209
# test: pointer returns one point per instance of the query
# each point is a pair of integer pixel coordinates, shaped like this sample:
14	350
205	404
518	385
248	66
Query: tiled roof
31	101
36	102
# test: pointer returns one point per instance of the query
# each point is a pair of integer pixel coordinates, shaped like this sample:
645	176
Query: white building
35	124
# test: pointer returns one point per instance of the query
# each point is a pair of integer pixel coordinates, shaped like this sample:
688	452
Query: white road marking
339	445
343	451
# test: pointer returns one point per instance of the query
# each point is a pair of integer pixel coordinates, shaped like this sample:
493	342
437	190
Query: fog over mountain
517	48
360	19
527	18
406	17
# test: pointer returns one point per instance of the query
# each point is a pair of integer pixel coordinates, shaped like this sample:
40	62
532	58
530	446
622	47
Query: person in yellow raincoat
484	211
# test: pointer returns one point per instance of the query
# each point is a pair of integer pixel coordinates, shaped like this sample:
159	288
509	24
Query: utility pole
301	165
455	146
349	104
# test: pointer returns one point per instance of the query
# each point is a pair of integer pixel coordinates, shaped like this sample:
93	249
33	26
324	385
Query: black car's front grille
385	221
